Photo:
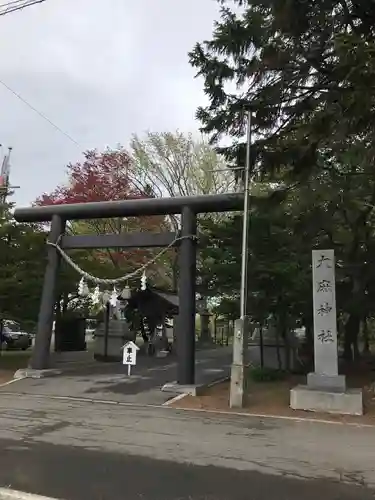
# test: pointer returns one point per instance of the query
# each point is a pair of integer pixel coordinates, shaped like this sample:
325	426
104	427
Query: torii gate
188	207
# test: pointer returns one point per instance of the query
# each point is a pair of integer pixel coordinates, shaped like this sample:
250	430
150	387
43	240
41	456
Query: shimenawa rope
113	281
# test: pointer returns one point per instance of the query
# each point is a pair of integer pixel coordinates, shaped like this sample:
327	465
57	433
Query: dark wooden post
186	294
40	356
107	313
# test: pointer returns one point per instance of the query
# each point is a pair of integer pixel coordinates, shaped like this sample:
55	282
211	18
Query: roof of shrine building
166	301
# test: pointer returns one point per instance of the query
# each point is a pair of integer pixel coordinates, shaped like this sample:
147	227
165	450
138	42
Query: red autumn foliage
104	177
100	177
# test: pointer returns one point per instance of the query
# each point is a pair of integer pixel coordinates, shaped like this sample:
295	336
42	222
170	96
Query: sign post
129	355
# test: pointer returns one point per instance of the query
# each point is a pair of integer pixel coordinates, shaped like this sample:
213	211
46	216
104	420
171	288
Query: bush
258	374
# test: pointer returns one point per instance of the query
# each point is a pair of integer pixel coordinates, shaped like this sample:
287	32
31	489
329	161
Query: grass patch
258	374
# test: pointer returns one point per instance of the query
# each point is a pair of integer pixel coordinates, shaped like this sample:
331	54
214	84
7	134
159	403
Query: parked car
13	337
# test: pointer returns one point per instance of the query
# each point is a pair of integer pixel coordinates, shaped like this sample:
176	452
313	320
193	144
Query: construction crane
8	7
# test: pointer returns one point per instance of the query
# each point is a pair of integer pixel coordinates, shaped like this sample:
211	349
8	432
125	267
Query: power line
13	2
43	116
9	7
13	6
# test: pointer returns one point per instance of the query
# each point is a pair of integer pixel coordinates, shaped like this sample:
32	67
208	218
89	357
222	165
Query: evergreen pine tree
306	68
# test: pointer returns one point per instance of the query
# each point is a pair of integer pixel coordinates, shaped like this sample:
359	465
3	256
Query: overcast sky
101	70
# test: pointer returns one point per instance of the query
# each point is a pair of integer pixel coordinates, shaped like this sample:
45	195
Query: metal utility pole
246	224
5	186
4	177
241	330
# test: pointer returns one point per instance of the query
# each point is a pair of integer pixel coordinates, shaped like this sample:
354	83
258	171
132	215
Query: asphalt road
75	450
77	474
84	449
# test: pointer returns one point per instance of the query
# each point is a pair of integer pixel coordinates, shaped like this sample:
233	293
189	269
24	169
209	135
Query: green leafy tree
22	264
278	272
177	164
23	252
324	212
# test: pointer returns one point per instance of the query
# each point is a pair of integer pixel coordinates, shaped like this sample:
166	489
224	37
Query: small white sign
129	355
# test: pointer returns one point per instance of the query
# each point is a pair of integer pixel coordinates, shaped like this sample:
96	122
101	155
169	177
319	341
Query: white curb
7	494
175	399
11	381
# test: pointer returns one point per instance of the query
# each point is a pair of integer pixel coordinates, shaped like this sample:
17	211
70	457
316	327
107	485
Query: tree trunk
65	303
278	352
175	272
205	334
351	351
286	339
215	328
143	331
308	354
261	345
366	338
310	337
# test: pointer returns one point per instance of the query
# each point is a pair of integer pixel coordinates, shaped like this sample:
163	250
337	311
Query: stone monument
108	344
325	390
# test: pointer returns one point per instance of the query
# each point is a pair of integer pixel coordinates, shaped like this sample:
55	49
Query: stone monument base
349	402
330	383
